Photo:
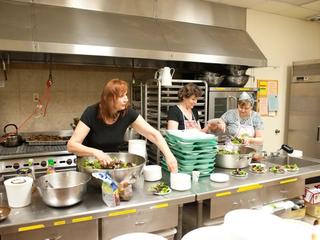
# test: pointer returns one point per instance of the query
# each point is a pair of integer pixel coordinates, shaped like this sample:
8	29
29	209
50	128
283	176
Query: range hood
39	28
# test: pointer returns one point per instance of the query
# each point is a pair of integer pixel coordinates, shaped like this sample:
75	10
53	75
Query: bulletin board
268	103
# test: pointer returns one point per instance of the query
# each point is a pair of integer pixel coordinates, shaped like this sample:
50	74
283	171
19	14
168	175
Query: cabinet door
146	220
84	231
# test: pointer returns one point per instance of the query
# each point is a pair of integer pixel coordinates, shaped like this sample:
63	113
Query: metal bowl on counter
239	160
118	174
62	189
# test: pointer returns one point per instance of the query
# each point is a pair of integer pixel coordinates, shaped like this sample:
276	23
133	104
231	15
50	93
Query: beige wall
282	40
74	88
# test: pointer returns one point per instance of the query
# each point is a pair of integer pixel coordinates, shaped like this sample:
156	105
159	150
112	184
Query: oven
222	99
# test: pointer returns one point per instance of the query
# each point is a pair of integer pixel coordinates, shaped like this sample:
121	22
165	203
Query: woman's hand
172	164
103	158
216	125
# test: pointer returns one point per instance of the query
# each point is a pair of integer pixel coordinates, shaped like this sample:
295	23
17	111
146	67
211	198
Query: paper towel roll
18	191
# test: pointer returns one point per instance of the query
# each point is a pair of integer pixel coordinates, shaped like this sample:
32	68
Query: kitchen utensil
180	181
234	160
213	79
66	189
19	191
138	147
152	173
11	139
165	75
120	174
236	70
236	81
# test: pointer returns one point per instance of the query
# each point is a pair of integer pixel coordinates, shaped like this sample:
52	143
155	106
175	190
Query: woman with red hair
102	126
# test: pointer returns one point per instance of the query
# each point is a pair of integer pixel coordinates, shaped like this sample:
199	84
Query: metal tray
46	143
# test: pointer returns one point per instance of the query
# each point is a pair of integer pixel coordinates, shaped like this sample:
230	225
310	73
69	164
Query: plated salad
258	168
277	169
160	189
239	173
291	167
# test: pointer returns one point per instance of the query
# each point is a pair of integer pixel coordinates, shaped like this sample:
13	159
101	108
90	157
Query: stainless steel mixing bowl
62	189
241	160
120	174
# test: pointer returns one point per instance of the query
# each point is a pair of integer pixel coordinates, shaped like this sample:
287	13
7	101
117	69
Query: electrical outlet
35	97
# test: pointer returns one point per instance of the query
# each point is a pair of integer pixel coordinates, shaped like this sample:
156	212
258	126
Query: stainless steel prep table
40	216
262	188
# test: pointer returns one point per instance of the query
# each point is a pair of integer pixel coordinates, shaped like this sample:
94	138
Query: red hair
112	90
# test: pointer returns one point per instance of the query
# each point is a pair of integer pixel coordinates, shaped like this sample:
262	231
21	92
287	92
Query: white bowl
219	177
152	173
180	181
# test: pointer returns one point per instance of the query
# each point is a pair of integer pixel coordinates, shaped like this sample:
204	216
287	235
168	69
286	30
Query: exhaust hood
39	28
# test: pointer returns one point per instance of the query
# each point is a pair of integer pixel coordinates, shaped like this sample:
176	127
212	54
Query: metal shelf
158	99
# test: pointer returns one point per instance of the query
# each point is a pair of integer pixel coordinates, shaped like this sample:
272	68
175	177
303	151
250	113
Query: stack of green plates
194	152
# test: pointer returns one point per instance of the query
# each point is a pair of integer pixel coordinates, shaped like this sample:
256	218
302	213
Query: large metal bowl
241	160
119	174
62	189
236	81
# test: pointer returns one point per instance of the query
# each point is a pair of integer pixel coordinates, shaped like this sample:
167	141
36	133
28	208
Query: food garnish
277	169
239	172
291	167
160	188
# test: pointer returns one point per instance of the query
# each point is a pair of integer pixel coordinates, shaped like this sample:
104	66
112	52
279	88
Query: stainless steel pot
11	139
62	189
120	174
241	160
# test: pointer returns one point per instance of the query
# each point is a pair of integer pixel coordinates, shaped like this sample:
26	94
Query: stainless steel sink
282	160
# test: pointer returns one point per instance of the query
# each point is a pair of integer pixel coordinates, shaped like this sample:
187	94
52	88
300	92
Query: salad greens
160	188
239	172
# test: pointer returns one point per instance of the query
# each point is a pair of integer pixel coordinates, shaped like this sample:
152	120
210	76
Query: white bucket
138	146
19	191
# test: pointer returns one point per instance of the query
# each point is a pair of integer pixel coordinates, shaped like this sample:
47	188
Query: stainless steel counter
38	215
205	187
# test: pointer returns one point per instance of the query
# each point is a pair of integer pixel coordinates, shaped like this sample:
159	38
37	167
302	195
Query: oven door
220	102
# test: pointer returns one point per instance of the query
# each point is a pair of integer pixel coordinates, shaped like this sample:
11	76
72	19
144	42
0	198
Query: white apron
245	130
189	124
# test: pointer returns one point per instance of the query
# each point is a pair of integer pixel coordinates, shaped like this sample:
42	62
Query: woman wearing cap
242	122
184	116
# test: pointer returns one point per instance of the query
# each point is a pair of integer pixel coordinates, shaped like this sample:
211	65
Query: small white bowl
219	177
152	173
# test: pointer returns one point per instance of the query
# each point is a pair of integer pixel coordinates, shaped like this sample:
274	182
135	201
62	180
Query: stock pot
240	160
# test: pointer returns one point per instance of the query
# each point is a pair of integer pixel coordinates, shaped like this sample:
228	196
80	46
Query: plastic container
19	191
50	168
138	147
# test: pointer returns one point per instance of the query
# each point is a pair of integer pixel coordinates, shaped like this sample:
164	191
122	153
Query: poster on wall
268	104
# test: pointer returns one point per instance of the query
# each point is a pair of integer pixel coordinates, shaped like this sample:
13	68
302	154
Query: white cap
246	97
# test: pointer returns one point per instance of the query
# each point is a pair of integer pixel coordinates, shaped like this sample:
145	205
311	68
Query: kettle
164	75
11	139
